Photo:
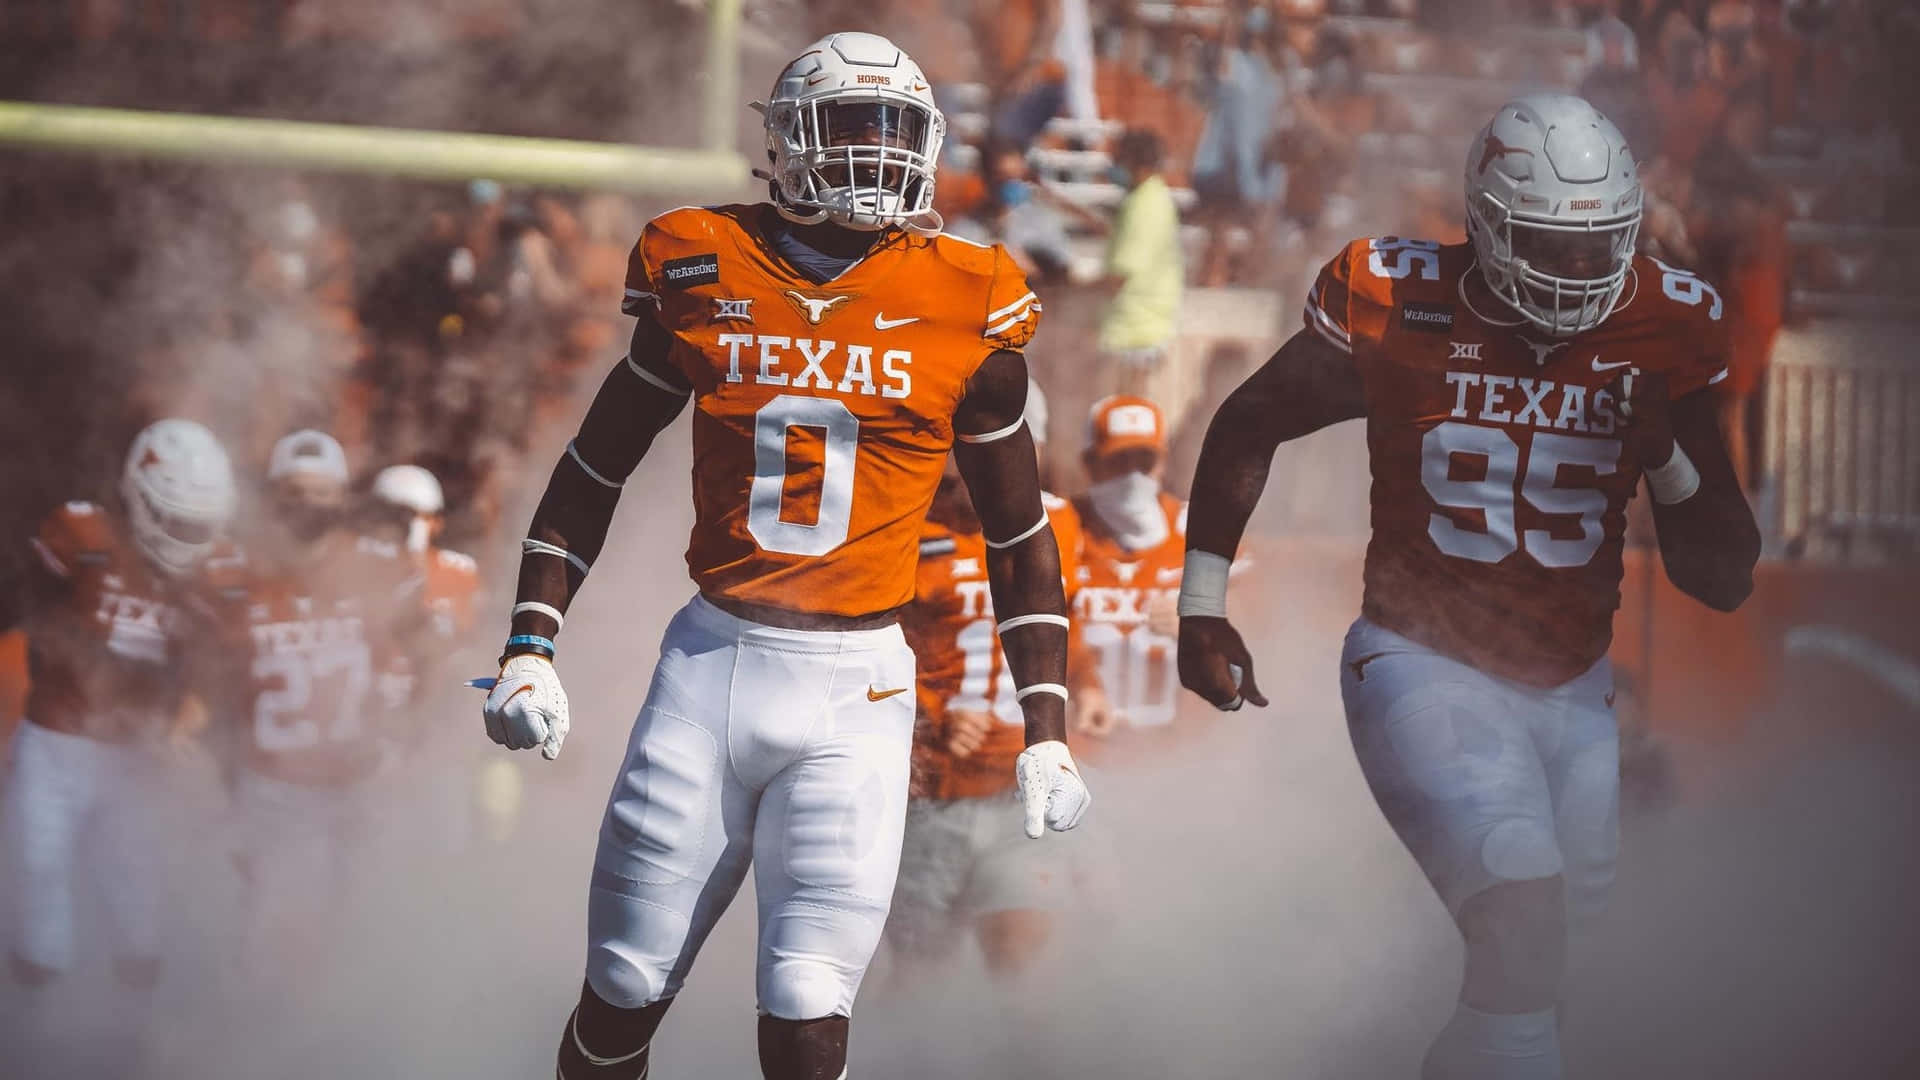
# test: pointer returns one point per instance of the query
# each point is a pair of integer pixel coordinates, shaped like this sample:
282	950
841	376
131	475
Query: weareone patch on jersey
1431	318
702	269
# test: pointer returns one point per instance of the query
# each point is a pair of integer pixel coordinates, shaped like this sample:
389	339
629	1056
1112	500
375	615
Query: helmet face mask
853	135
1553	211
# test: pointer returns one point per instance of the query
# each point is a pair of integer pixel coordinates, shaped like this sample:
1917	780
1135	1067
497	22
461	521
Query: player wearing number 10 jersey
835	348
1516	389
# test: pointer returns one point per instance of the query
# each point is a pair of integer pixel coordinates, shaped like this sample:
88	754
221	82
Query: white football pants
1485	780
76	805
784	748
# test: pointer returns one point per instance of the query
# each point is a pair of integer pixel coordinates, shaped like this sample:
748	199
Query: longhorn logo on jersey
814	308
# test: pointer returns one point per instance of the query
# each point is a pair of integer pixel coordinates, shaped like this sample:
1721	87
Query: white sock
1495	1046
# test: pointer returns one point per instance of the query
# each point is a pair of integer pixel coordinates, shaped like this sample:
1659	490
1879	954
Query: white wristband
1203	584
1676	481
539	608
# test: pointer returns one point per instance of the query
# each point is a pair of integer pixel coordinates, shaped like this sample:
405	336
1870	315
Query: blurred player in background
965	865
1516	389
330	619
835	347
407	504
1130	572
113	610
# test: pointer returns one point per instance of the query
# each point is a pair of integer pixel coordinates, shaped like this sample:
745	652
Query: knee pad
804	990
1516	936
1491	1046
623	980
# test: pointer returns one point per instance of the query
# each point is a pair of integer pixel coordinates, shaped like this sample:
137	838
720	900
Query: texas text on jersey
324	646
823	414
1499	490
105	649
1119	588
950	625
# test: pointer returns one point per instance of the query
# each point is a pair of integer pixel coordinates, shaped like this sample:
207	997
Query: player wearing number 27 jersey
836	348
1516	389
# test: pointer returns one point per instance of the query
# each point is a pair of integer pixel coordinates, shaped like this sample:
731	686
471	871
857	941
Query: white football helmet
1553	207
414	490
853	134
179	493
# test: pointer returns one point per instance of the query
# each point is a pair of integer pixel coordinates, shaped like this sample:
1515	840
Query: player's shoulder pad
76	534
679	249
458	562
1009	309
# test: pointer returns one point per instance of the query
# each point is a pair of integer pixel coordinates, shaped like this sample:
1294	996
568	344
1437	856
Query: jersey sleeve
1013	311
1704	336
1351	301
70	537
641	297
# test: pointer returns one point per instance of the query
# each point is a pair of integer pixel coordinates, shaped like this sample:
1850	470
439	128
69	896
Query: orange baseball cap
1125	422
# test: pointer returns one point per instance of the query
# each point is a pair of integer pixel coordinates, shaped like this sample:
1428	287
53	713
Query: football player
835	347
407	500
964	865
1516	389
1130	574
112	611
330	618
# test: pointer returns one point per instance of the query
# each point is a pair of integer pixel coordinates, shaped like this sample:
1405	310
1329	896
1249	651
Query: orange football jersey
1499	488
106	654
822	413
1117	589
452	583
950	626
321	646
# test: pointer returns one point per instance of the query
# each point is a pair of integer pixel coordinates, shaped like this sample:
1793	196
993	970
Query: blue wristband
525	644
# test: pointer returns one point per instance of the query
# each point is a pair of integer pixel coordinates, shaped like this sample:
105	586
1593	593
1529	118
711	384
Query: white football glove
1050	787
526	706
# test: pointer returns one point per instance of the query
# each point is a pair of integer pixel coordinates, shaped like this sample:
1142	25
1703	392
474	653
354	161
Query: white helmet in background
853	134
1553	207
416	491
179	493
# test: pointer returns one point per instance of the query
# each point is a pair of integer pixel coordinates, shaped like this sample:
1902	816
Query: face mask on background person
1129	504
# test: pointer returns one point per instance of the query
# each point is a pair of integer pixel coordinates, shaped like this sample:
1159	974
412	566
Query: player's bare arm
1305	386
994	451
526	706
1709	540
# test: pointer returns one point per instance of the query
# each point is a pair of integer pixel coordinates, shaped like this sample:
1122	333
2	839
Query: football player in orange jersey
329	619
112	613
408	501
836	347
1130	573
963	863
1516	389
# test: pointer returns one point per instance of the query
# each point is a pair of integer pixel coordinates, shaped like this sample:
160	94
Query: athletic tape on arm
539	608
530	546
992	436
592	473
1203	584
1002	545
1026	620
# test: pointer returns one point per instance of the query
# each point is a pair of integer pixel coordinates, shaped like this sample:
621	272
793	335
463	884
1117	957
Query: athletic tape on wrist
1676	481
1203	584
1002	545
1053	688
527	645
530	546
539	608
1028	620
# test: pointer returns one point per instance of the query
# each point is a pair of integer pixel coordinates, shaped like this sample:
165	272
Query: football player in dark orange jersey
330	620
836	347
1516	389
113	612
965	870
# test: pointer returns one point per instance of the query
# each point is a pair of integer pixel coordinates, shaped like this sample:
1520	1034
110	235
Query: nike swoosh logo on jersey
884	694
881	322
1598	366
